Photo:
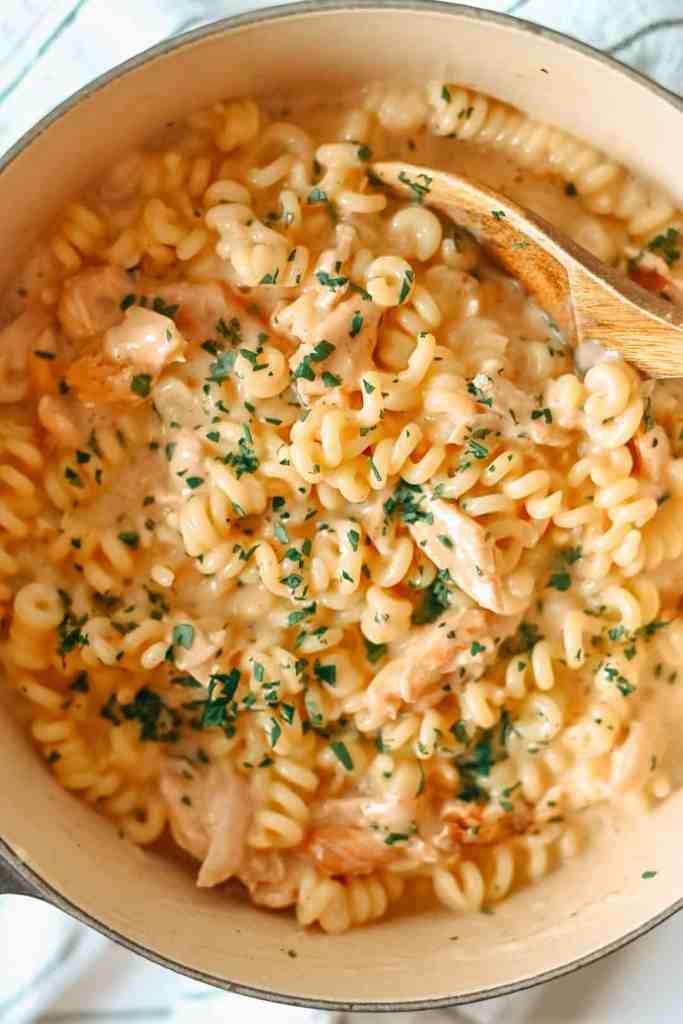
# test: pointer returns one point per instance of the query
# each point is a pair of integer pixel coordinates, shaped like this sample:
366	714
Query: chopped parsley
183	635
80	683
396	837
374	652
69	633
560	581
159	306
375	472
480	395
435	600
405	503
571	555
72	476
141	384
341	751
157	720
316	195
244	460
217	709
326	673
356	324
666	246
331	282
221	369
419	188
648	418
408	279
321	351
131	538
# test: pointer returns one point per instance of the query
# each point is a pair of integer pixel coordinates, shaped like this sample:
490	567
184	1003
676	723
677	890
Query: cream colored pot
59	849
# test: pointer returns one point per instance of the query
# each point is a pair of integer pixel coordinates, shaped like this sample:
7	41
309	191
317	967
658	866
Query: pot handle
12	883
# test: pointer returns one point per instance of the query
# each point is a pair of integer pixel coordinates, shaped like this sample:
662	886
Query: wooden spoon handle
585	297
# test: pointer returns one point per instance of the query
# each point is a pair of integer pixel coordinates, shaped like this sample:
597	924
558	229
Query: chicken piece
651	280
91	301
471	557
393	809
272	878
201	306
129	360
344	850
351	327
470	823
145	340
631	760
423	659
210	812
67	421
95	379
198	659
17	342
653	455
516	414
123	180
649	268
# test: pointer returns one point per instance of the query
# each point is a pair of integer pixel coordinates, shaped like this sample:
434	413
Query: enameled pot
57	848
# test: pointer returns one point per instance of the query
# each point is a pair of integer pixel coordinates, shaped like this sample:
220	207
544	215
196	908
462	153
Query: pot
57	848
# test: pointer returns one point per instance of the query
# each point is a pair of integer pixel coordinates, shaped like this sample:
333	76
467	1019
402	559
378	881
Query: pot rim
28	881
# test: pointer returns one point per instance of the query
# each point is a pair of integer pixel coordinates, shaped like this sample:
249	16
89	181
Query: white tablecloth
54	970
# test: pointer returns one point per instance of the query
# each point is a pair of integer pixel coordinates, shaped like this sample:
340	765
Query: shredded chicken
426	656
272	877
145	340
201	306
67	421
17	341
91	301
210	812
472	823
653	455
470	557
632	760
344	850
504	407
351	327
129	360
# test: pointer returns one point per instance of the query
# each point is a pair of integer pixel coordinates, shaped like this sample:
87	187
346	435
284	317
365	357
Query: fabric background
56	971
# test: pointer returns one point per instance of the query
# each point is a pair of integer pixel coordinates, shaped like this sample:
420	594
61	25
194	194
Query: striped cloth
55	971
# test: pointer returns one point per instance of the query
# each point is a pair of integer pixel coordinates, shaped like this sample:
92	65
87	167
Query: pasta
320	548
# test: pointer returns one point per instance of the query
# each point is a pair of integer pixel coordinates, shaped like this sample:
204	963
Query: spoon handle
585	297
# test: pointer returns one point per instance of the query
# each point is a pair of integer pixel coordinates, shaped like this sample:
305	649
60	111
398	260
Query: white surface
54	970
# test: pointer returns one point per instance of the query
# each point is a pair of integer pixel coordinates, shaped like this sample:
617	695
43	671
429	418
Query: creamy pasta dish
323	552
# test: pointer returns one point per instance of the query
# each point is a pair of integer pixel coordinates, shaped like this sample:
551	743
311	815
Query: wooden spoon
588	299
